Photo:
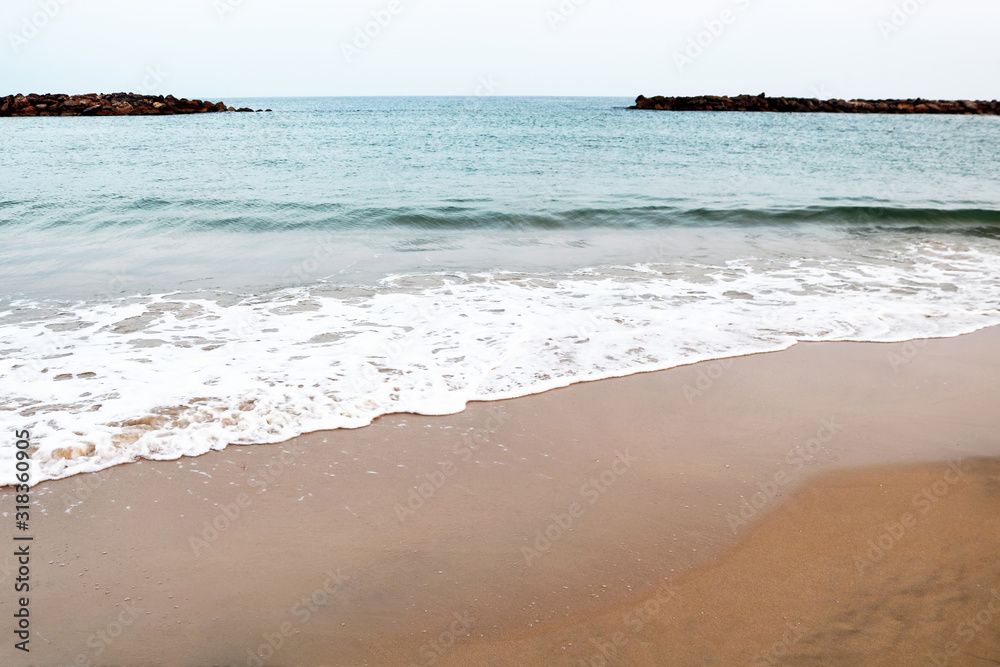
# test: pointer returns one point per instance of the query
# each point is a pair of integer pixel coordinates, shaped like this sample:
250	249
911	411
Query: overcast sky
233	48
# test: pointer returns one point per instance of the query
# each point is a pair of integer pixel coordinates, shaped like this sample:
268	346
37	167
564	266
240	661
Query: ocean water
172	285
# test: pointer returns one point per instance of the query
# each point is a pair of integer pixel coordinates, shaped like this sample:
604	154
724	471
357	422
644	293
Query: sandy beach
834	503
445	354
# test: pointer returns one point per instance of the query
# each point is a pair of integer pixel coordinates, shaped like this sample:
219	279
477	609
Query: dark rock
95	104
807	105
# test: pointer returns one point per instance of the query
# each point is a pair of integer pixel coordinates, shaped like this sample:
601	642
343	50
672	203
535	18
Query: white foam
169	375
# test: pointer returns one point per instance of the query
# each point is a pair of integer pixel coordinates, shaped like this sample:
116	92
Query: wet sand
879	566
708	513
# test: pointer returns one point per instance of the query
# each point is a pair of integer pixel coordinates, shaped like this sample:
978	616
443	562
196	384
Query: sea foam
168	375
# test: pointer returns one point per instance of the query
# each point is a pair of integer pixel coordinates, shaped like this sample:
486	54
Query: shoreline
540	517
911	345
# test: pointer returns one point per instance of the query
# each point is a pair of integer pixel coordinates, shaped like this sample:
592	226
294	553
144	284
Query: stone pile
807	105
115	104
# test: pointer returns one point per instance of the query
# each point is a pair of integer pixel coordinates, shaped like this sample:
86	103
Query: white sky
219	49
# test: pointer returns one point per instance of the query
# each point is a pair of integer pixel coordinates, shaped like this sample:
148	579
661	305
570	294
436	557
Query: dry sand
707	514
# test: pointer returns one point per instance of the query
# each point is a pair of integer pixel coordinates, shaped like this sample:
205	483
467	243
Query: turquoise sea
170	285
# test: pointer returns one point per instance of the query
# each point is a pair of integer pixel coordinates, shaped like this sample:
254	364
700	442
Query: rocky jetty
114	104
806	105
